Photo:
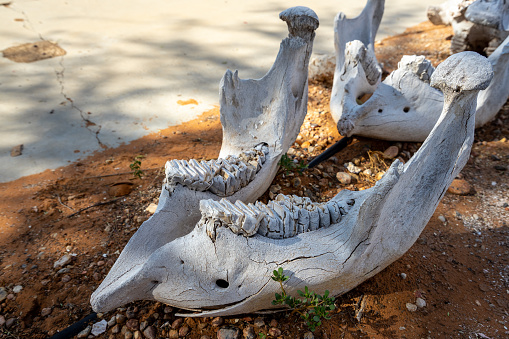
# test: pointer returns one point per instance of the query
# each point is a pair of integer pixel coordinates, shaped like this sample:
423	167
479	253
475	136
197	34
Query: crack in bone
284	217
88	123
223	176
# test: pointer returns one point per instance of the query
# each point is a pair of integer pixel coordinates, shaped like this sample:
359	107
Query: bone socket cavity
284	217
223	176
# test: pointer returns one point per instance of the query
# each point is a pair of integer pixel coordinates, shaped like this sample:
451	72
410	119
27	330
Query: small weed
288	165
136	165
262	335
311	306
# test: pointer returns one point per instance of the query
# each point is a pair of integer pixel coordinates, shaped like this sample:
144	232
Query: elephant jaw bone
404	107
493	13
223	266
445	13
357	69
256	134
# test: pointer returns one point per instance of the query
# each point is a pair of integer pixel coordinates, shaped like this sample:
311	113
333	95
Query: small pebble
99	328
459	187
120	318
184	330
85	332
258	322
46	311
249	333
273	323
217	321
2	320
137	335
352	168
403	275
17	288
344	178
112	321
296	182
275	332
174	334
64	260
150	332
228	332
420	302
10	322
177	323
133	324
66	278
3	293
115	329
442	218
391	152
308	335
128	335
411	307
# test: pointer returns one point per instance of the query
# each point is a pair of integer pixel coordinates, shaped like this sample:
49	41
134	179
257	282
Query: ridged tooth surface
284	217
222	177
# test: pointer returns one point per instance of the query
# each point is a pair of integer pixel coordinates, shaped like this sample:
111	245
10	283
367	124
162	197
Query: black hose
75	328
329	152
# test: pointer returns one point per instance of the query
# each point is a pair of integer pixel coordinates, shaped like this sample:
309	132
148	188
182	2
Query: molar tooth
334	211
288	223
231	183
204	174
218	186
303	221
314	218
323	211
237	215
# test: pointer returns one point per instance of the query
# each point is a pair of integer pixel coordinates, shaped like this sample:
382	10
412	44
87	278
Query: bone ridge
284	217
223	176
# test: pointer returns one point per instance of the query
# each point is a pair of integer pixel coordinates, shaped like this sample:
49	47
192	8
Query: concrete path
129	62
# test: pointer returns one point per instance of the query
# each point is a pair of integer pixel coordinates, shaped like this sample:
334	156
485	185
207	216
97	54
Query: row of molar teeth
222	177
284	217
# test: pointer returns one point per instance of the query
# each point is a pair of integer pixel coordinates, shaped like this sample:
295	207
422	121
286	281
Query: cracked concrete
128	63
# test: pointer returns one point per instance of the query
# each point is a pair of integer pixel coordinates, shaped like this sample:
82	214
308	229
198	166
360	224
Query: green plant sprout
311	306
288	165
136	165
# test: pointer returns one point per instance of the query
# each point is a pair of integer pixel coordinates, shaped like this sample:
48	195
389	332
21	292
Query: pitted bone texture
284	217
222	177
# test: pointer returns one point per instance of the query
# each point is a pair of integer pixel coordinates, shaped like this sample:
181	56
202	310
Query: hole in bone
363	98
222	283
380	110
406	109
155	282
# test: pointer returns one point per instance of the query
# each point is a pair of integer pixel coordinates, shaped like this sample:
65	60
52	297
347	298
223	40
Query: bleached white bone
478	25
445	13
224	269
261	119
404	106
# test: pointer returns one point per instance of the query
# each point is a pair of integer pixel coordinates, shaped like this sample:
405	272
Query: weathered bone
224	269
404	106
261	120
445	13
478	25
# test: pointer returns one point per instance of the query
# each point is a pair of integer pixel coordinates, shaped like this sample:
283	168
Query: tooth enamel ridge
284	217
223	176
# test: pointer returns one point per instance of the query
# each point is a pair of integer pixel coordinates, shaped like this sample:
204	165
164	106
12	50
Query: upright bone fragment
261	119
404	107
227	271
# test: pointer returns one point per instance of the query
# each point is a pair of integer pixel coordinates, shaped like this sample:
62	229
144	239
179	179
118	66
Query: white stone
420	302
230	273
64	260
411	307
17	288
99	328
151	208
